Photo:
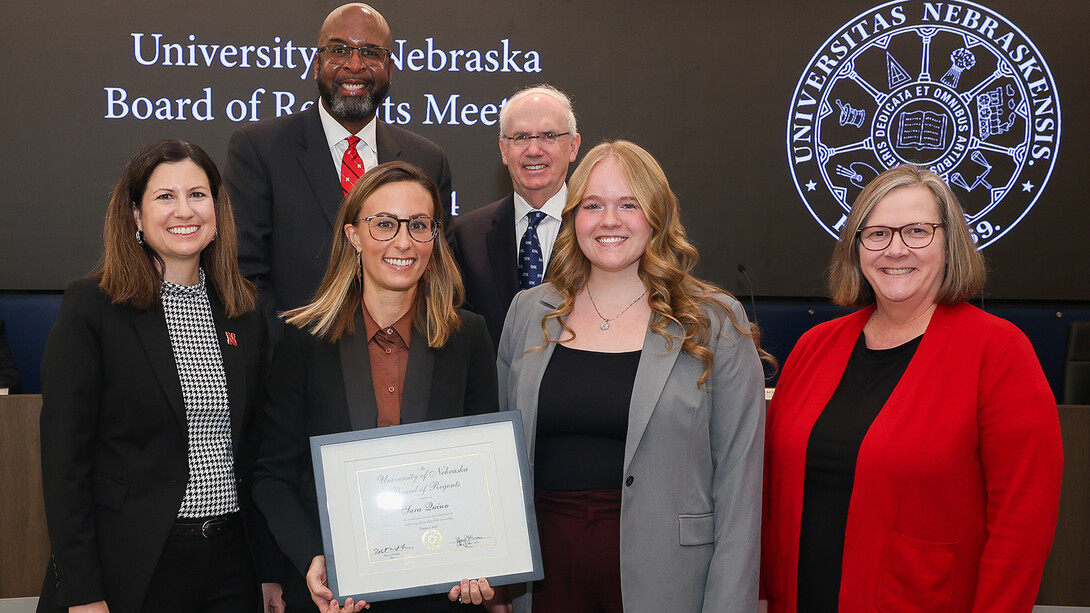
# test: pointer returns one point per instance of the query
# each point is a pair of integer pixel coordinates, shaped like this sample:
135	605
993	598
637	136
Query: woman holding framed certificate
642	395
382	343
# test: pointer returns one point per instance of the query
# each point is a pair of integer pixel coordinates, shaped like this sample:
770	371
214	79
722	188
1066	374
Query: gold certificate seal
432	539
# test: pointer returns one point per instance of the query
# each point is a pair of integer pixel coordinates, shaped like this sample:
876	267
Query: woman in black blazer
151	383
382	343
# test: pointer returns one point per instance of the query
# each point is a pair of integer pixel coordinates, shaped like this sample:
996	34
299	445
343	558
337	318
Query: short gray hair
543	89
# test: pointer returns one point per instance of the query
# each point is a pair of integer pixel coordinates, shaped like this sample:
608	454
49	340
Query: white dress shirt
547	229
336	136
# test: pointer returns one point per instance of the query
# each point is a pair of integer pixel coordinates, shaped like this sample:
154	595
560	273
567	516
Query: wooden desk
1067	581
24	541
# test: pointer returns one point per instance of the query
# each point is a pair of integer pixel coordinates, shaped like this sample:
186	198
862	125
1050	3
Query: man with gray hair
506	246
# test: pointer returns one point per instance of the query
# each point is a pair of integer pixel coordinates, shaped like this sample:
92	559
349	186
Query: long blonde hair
439	292
673	293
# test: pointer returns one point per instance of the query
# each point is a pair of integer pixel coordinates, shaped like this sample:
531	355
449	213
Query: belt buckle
213	523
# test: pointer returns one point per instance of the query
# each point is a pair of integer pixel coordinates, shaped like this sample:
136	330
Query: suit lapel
359	390
502	254
151	327
387	146
534	362
418	377
234	367
656	364
318	166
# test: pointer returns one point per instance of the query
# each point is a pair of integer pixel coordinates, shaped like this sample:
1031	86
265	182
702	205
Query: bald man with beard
284	174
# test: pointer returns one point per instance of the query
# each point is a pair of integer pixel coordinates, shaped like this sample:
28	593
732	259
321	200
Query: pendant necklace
606	320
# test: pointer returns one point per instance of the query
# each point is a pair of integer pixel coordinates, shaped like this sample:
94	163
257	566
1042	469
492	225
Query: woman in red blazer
913	451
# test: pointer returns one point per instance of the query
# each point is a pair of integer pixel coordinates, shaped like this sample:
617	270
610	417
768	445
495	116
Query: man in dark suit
282	173
505	246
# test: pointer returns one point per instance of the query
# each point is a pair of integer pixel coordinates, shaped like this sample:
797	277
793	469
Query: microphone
749	284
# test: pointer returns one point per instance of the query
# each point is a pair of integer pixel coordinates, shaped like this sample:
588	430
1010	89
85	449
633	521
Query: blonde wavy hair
673	293
439	292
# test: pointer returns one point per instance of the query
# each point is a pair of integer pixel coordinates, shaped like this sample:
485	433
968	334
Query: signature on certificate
468	541
378	551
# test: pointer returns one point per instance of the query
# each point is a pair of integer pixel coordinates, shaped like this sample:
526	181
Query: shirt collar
553	207
402	327
335	132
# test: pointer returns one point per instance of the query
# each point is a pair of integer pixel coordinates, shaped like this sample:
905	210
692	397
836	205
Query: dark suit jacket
286	193
115	443
484	245
317	387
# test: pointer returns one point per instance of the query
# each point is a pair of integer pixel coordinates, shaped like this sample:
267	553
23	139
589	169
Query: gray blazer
691	498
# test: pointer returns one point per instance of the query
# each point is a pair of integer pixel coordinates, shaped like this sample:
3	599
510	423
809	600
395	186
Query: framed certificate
412	509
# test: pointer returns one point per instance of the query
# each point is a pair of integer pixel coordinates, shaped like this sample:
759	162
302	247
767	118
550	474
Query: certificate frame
462	483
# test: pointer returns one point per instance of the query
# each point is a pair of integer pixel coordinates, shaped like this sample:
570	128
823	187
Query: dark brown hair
132	273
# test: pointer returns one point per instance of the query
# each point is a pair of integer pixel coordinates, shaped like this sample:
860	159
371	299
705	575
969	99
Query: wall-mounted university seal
953	86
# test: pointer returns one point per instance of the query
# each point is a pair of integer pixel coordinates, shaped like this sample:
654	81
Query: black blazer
484	246
286	193
115	444
317	387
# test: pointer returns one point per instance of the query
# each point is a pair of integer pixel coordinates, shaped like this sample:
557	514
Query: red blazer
957	483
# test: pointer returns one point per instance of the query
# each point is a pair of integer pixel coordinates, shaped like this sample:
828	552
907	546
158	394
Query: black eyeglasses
520	141
342	54
422	229
915	235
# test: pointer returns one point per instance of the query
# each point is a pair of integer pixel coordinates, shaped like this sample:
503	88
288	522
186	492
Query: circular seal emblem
432	539
953	86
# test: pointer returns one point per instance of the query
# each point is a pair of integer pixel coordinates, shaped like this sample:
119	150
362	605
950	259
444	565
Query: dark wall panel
718	91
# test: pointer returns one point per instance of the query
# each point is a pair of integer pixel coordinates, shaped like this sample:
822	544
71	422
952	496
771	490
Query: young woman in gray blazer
641	390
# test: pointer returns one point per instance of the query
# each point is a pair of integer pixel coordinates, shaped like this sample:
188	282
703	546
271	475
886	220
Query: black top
582	419
868	381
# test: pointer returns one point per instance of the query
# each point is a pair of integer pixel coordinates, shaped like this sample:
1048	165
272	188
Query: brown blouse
388	350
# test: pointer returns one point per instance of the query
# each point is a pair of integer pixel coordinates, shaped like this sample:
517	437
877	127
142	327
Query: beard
352	108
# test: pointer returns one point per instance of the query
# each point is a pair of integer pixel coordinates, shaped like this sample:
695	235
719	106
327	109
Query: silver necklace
606	320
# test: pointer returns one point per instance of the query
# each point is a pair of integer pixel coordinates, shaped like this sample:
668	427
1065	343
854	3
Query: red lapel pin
231	340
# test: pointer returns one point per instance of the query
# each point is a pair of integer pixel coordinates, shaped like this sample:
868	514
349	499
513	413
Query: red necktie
351	165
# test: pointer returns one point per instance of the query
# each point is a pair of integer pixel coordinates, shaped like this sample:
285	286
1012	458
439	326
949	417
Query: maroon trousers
581	552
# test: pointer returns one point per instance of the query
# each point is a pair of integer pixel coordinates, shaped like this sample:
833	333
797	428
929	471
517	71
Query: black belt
207	527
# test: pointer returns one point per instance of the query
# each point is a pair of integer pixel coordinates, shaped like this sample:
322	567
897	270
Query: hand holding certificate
412	510
322	596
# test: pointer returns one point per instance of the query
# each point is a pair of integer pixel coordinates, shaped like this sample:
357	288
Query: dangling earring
140	236
215	234
359	268
427	274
